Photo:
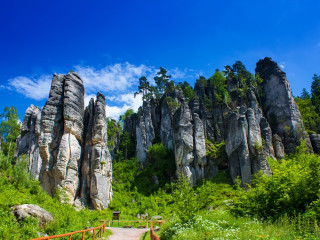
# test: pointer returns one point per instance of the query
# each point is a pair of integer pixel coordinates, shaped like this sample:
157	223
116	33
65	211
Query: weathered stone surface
279	106
144	132
72	144
101	163
199	146
27	210
315	140
28	140
278	146
51	132
267	137
244	146
166	129
183	142
237	148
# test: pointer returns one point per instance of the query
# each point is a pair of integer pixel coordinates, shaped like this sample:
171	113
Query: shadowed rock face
144	132
72	144
279	106
28	140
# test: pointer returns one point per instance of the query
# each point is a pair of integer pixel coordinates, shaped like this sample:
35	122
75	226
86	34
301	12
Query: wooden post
147	224
93	234
83	233
70	237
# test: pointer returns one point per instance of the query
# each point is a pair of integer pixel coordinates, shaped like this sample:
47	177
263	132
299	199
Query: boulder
27	210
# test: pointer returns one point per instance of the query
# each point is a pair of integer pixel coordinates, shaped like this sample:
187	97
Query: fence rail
102	230
134	221
153	236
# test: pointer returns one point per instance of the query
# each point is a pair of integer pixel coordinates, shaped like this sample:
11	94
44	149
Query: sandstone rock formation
72	143
253	122
27	210
28	139
279	106
254	127
144	132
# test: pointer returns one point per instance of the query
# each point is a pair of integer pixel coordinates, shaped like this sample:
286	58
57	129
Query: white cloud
118	77
282	65
87	99
129	102
36	89
176	73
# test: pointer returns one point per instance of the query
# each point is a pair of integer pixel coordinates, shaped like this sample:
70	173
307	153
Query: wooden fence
102	230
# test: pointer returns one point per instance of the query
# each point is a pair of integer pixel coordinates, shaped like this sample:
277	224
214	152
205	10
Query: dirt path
126	233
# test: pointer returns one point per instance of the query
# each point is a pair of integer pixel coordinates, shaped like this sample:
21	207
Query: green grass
220	224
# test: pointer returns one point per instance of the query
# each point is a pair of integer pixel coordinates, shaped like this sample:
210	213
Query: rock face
315	140
144	132
61	135
100	165
27	210
28	140
255	123
72	144
279	106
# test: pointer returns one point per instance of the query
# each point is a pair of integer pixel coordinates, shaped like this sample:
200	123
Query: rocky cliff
252	127
253	121
72	144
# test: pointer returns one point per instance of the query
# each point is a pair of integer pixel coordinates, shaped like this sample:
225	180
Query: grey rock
28	140
199	146
237	148
315	140
166	129
27	210
278	146
279	106
267	137
101	163
96	189
183	142
51	132
144	132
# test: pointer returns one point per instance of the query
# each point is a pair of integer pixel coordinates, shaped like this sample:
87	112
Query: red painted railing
102	230
153	236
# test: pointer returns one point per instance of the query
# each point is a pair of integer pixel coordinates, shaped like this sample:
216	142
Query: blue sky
111	43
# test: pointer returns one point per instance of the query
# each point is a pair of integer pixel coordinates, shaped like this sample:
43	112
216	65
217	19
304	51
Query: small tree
9	130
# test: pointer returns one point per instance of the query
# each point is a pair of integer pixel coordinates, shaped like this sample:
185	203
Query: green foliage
185	199
310	116
128	113
186	89
315	92
292	189
160	162
113	131
202	80
216	151
219	83
220	224
9	130
163	83
172	103
243	79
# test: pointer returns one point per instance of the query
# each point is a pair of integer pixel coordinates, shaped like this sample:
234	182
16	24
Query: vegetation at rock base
309	106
